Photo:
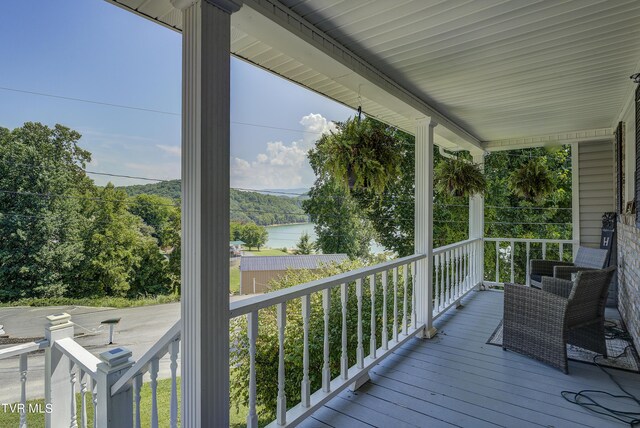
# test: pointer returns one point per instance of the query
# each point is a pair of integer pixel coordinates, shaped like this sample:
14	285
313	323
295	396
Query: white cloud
172	150
282	165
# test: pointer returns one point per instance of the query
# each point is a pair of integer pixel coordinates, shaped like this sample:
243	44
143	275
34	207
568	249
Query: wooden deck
456	379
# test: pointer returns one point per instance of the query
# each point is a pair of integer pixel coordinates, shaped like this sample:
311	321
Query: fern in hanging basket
362	155
458	177
532	181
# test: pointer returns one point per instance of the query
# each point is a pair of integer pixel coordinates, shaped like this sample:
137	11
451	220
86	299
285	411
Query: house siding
629	278
597	184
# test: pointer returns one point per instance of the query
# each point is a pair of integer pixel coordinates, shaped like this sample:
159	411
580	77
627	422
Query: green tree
253	235
112	239
161	214
304	245
41	183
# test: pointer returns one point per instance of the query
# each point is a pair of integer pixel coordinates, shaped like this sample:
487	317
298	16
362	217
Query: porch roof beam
298	38
585	135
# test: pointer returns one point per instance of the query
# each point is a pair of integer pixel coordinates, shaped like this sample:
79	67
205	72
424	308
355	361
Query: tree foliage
304	245
251	234
62	236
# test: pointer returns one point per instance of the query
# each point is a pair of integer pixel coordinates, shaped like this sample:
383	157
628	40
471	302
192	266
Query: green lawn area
267	252
109	302
238	417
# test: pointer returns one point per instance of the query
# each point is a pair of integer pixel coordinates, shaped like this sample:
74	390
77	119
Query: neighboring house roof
312	261
236	242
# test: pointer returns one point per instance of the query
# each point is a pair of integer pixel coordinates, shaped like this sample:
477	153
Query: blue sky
92	50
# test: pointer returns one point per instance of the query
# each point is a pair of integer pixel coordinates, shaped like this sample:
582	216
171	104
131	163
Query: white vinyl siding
597	189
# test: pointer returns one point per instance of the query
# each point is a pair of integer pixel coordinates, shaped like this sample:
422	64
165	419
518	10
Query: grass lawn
238	418
268	252
234	280
109	302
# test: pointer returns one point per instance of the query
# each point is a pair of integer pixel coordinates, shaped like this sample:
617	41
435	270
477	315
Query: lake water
289	235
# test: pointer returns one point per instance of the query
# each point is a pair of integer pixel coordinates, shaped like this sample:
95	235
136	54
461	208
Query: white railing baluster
436	293
544	251
443	290
561	250
360	348
153	371
83	401
282	397
73	380
528	279
137	387
326	370
513	255
372	336
23	390
305	389
405	307
395	304
344	357
173	366
385	333
497	262
413	296
252	333
449	294
94	402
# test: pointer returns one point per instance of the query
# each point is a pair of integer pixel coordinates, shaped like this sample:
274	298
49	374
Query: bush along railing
373	305
455	273
513	255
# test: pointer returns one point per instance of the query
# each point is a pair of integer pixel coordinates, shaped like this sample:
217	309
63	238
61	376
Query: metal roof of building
311	261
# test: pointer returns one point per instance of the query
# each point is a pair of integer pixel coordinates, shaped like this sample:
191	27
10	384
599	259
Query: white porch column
476	222
205	211
575	197
423	240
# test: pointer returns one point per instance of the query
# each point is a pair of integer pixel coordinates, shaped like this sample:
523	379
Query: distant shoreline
288	224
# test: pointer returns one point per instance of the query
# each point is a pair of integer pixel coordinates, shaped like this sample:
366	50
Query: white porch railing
518	252
402	328
113	381
455	273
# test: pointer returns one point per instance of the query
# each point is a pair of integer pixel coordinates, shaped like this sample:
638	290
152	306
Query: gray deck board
457	379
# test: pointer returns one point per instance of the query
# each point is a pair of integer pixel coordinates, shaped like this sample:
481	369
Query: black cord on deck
586	399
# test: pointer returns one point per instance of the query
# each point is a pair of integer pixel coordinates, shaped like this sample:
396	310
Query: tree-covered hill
246	206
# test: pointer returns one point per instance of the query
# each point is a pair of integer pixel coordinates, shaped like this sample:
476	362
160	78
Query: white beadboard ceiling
500	69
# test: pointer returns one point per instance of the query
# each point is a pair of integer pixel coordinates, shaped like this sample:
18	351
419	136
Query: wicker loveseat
586	259
540	323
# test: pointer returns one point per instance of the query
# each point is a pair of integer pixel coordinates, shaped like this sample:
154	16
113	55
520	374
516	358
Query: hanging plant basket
458	177
532	181
362	155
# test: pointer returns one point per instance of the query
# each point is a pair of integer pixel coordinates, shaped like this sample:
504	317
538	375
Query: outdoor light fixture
112	323
635	77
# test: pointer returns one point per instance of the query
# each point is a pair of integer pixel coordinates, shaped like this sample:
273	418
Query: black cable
585	398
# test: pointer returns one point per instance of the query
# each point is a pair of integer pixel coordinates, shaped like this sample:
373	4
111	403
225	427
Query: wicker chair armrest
557	286
545	267
533	307
564	272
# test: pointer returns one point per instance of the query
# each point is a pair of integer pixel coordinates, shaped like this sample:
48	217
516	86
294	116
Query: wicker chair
540	323
586	259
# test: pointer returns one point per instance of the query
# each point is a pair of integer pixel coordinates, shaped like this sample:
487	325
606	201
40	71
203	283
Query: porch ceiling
499	69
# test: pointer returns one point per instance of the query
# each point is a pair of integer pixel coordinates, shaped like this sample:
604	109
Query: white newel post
205	206
424	224
116	410
56	372
476	224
